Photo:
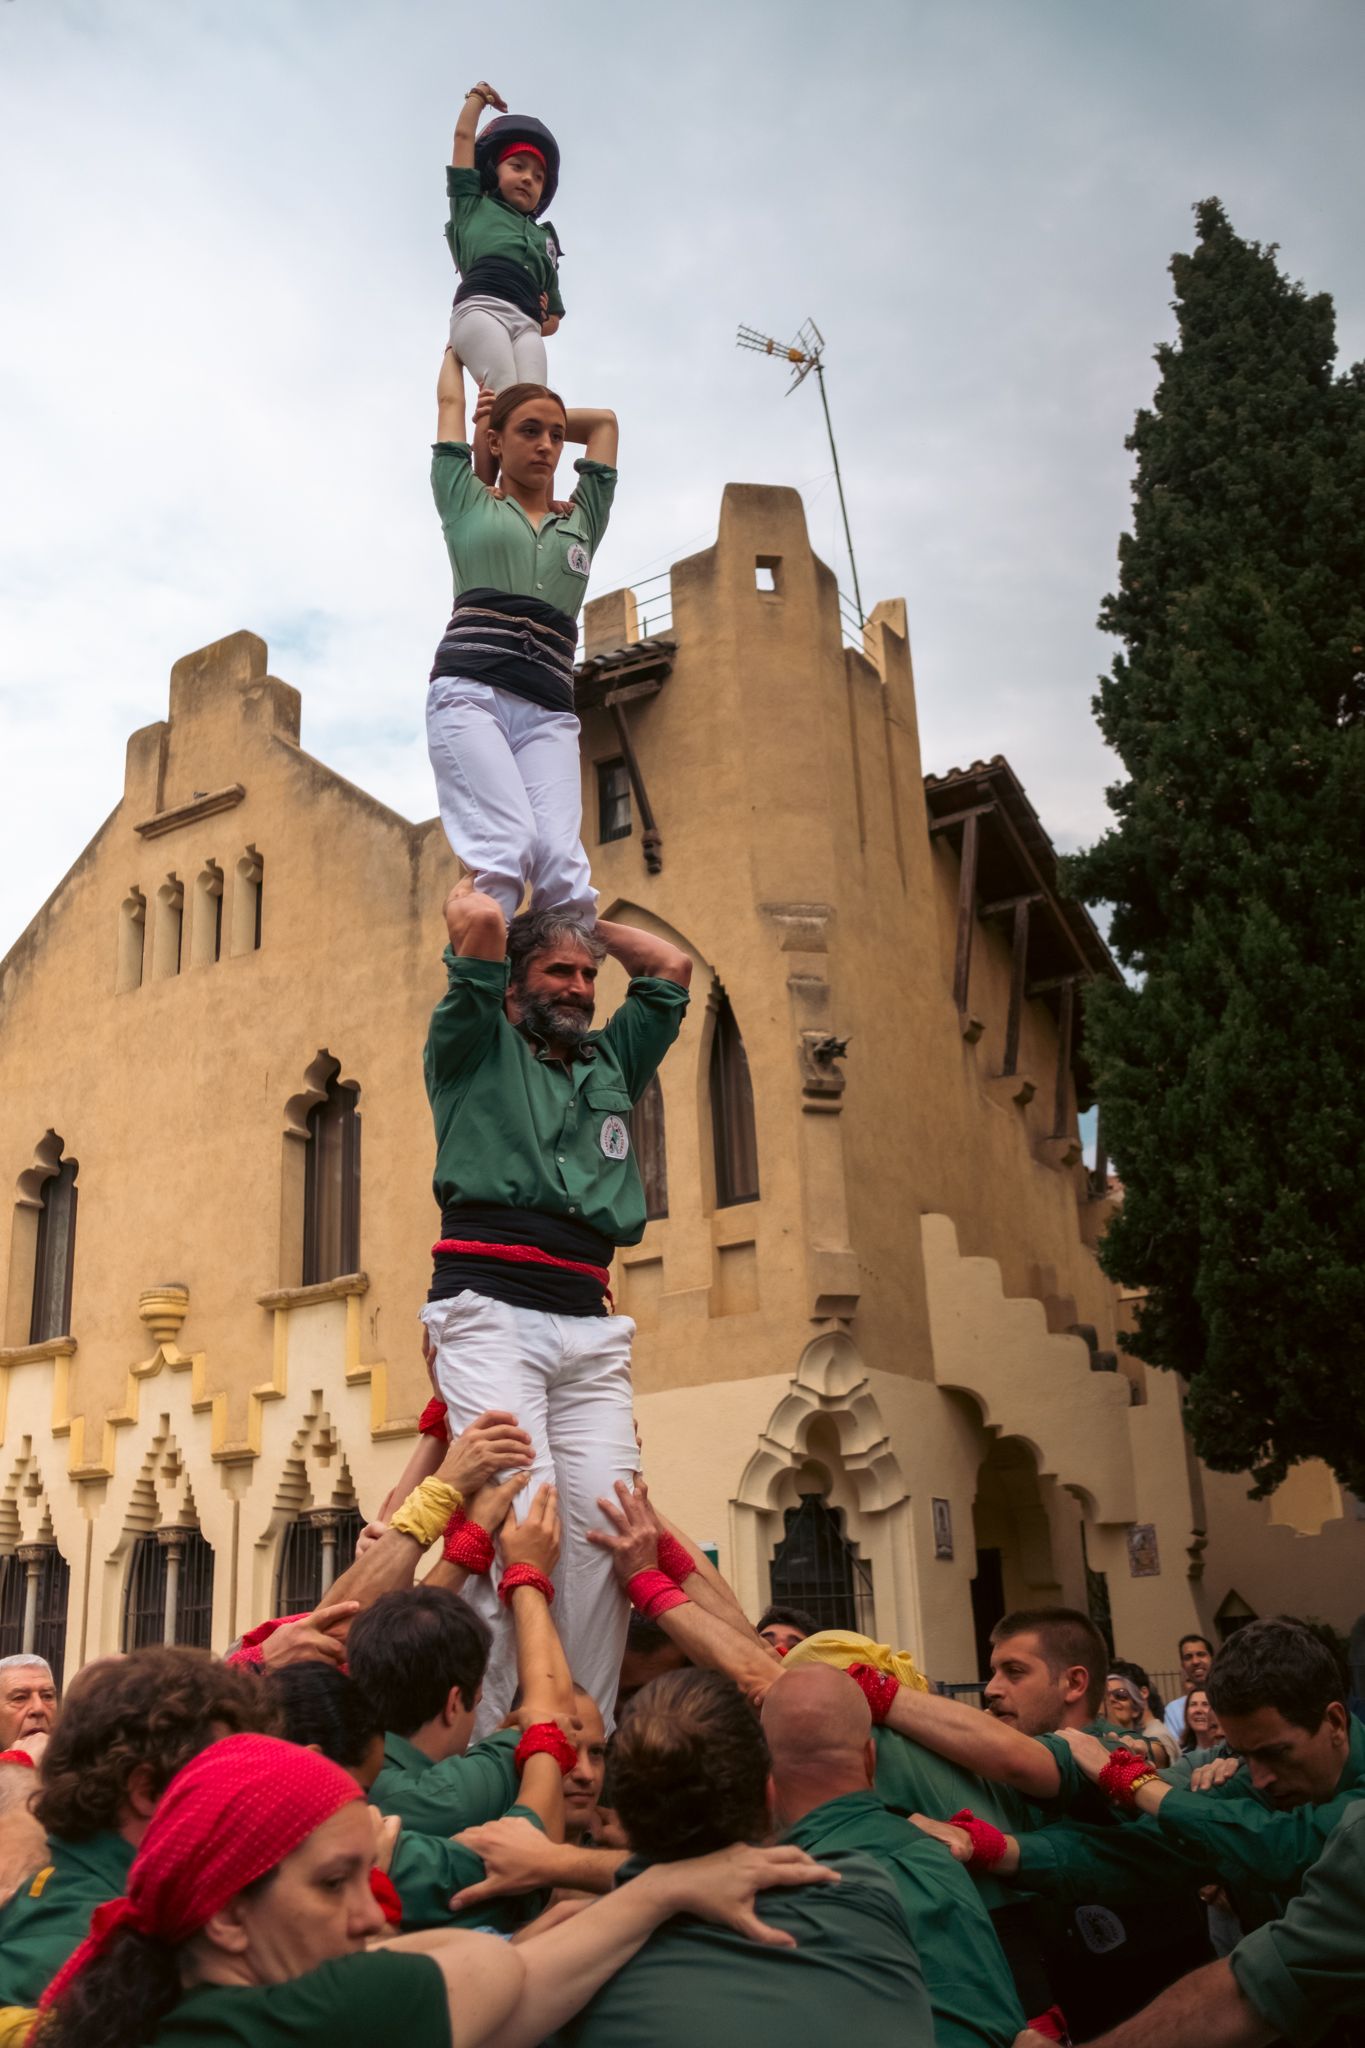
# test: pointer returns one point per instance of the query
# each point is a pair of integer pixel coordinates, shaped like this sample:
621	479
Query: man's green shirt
965	1972
912	1779
493	545
521	1130
427	1870
852	1976
355	2002
1307	1971
48	1917
441	1798
485	224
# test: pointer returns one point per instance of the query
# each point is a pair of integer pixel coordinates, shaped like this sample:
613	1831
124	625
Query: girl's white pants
497	343
510	794
567	1381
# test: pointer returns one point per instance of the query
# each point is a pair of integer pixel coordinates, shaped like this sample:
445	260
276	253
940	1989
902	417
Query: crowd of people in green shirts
788	1835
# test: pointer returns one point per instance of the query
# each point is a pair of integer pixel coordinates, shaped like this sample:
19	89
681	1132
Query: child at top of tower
508	258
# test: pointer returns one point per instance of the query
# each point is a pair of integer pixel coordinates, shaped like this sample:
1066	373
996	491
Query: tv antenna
805	354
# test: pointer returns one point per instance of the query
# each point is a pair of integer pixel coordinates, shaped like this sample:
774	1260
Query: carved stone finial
819	1051
163	1310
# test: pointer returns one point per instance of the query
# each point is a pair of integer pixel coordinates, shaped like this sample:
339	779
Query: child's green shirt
484	226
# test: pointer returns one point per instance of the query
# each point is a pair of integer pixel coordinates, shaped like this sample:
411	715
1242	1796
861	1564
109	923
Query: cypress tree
1229	1068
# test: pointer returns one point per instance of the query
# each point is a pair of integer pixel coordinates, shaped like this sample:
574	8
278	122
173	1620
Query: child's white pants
510	795
567	1381
497	343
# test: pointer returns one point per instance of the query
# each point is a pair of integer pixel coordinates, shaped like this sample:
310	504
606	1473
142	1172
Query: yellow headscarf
16	2023
833	1646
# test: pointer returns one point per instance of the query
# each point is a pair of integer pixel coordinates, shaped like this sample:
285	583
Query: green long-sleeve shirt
459	1792
493	545
521	1130
483	224
427	1870
48	1916
1306	1971
965	1972
912	1779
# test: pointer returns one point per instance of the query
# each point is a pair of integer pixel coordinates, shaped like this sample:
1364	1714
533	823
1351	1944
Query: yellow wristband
427	1509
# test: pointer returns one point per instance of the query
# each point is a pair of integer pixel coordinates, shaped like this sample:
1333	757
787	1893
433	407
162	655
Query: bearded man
538	1186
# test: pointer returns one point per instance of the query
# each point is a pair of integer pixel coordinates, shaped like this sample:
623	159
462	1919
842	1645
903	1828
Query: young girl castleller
501	729
508	258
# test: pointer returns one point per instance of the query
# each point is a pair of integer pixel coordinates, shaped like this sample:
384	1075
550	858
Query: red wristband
17	1756
433	1420
1123	1775
988	1844
524	1575
468	1544
385	1897
675	1559
547	1738
1051	2025
878	1688
653	1593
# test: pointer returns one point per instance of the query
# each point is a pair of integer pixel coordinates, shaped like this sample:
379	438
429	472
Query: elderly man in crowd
28	1699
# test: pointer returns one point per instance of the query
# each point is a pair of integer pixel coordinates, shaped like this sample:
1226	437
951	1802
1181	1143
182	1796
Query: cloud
226	292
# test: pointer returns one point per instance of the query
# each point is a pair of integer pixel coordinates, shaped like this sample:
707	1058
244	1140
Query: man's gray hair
24	1657
535	931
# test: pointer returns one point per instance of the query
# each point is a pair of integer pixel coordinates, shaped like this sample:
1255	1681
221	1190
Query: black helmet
509	128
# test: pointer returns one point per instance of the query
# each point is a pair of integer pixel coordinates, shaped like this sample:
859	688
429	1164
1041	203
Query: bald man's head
818	1728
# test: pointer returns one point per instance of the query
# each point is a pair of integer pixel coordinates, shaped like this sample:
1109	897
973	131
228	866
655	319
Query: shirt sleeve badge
615	1138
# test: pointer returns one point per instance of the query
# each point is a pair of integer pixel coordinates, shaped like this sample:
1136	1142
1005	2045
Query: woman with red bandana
249	1919
508	258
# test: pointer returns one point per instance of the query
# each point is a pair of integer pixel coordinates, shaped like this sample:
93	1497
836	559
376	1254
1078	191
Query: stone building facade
877	1362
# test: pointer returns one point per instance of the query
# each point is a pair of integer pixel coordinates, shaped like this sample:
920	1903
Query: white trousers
497	343
567	1381
511	799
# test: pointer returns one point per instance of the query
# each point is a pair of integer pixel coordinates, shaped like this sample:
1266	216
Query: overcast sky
224	294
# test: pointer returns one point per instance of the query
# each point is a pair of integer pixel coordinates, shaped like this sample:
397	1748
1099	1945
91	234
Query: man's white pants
510	795
567	1381
497	343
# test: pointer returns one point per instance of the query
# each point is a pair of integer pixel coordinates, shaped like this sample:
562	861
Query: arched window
132	939
248	899
651	1155
35	1583
331	1190
55	1256
816	1567
314	1550
206	932
170	1590
733	1136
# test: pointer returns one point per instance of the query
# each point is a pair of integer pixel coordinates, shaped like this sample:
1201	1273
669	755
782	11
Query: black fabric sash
516	643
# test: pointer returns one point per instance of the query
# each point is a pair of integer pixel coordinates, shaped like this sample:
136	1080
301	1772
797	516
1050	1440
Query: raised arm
467	126
966	1736
640	952
542	1668
450	413
477	927
597	430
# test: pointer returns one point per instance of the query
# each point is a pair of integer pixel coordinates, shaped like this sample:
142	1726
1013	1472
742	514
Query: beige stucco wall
889	1317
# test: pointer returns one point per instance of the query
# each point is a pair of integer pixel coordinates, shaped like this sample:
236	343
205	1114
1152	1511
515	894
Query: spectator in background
1129	1705
28	1698
1196	1661
1202	1729
782	1628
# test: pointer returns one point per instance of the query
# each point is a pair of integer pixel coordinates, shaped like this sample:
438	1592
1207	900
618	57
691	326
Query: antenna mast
806	353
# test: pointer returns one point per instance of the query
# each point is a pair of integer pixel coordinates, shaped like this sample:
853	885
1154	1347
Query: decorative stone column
326	1521
30	1556
172	1541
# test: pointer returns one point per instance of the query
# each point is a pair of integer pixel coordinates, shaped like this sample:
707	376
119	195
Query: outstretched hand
534	1541
723	1887
312	1639
515	1858
1090	1753
633	1535
956	1841
494	1442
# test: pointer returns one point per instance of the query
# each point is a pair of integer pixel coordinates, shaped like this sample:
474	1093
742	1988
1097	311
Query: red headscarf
235	1811
521	149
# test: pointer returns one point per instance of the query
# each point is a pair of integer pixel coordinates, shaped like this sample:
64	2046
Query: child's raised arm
597	429
467	127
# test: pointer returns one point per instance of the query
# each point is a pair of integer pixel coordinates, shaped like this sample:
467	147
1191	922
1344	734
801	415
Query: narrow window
613	801
247	903
816	1567
168	937
314	1550
132	939
35	1582
767	574
734	1138
55	1258
170	1590
331	1189
206	933
651	1156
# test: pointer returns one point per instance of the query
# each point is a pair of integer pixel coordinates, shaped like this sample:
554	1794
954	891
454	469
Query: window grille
331	1189
13	1587
651	1155
146	1600
613	800
55	1262
299	1583
734	1137
815	1566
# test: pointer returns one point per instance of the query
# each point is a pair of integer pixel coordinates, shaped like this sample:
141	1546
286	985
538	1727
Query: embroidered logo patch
1100	1929
615	1138
578	559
